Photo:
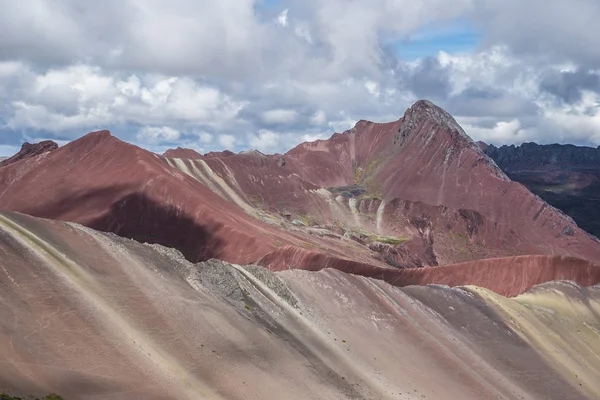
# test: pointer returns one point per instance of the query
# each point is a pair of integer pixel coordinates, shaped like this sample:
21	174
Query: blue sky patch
452	37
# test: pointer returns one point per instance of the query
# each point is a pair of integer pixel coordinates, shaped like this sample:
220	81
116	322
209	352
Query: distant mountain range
565	176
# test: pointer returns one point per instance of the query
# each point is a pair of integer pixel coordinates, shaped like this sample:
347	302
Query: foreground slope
93	315
566	176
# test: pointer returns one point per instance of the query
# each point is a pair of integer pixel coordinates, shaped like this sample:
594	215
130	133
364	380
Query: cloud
227	141
205	137
157	134
541	31
319	118
279	116
489	101
372	87
265	141
501	132
303	32
292	71
282	19
182	36
311	137
427	78
85	97
568	86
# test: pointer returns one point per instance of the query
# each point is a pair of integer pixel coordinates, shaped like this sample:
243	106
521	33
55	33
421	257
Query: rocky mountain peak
425	111
427	119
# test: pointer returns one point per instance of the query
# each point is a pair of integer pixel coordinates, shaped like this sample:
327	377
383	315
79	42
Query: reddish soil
508	276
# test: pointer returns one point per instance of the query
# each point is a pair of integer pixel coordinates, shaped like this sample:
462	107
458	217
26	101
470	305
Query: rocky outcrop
29	150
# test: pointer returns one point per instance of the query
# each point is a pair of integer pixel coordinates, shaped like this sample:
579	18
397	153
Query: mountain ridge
424	195
135	313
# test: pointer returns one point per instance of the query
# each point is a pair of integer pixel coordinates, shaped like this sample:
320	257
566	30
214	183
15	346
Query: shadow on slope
137	216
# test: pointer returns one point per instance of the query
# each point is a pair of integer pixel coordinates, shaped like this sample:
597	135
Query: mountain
93	315
566	176
113	186
420	179
374	200
29	150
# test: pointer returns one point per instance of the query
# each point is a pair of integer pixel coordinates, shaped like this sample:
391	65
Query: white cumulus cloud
282	19
157	134
279	116
227	141
265	141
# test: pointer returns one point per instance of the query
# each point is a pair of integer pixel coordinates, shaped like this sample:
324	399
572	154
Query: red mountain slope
110	185
415	192
421	178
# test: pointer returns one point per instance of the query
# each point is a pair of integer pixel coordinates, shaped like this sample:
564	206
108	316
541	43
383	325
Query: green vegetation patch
306	219
52	396
368	236
393	240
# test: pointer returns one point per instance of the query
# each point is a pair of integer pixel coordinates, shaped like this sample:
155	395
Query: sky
269	74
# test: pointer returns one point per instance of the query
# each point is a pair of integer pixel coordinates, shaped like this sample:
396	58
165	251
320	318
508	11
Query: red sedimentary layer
508	276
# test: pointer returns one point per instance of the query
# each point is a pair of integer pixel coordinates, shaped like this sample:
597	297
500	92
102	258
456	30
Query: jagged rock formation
566	176
29	150
88	314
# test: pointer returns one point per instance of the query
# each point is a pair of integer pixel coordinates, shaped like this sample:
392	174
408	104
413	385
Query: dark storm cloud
542	30
488	101
429	80
568	86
